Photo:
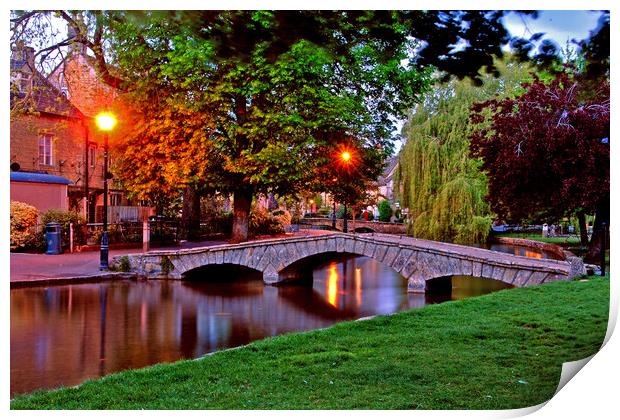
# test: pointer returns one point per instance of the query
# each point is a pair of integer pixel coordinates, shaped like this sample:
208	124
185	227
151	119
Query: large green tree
444	188
265	93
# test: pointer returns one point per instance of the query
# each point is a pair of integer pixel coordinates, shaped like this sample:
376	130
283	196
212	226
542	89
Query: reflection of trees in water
66	334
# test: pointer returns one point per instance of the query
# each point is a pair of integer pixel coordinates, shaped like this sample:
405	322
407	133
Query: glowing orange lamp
106	122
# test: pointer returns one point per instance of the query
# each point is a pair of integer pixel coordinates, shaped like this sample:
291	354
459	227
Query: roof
43	97
38	178
17	64
388	172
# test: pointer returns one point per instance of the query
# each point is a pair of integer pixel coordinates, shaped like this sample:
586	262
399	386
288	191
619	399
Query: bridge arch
219	272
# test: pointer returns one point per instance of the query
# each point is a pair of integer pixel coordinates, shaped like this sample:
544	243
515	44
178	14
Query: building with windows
45	138
52	135
385	183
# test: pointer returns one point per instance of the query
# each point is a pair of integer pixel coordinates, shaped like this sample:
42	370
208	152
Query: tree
276	85
349	179
385	211
440	184
546	152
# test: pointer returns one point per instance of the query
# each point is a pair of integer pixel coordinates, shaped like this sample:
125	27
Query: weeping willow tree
441	185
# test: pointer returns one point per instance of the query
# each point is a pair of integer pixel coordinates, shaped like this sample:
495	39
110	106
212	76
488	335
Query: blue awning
39	178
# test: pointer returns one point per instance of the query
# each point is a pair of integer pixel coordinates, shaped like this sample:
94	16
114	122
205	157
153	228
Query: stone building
53	131
45	135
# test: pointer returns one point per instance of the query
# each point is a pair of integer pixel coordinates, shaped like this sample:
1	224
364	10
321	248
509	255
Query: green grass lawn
499	351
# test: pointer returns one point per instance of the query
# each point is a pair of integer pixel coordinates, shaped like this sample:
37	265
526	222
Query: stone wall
379	227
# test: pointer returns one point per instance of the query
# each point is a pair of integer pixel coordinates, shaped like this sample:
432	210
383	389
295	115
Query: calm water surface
63	335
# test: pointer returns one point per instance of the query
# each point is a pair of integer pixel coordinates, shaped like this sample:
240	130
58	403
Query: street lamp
346	159
106	122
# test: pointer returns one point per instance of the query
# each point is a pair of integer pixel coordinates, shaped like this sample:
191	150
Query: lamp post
346	159
106	122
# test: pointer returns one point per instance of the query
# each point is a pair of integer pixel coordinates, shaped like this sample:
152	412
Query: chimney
76	46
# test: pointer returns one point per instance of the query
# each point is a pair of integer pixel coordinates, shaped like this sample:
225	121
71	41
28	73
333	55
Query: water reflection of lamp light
143	319
533	254
103	307
332	285
358	286
70	303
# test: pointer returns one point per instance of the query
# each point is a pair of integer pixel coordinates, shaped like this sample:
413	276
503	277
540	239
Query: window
45	150
92	154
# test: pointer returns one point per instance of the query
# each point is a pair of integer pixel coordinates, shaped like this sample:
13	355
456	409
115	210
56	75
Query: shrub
24	232
65	218
282	216
166	265
264	223
385	211
124	264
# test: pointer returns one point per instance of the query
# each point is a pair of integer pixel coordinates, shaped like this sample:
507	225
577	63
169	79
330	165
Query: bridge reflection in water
63	335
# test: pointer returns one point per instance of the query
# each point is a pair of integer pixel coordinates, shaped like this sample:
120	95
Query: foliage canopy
546	151
258	101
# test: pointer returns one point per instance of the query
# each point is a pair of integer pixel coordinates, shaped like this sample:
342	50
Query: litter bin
52	237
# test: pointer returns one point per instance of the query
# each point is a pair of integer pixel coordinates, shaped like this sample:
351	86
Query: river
64	335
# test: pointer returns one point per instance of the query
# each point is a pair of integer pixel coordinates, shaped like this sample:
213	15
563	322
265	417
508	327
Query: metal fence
161	232
122	214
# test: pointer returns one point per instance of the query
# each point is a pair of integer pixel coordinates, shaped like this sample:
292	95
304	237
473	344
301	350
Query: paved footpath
45	269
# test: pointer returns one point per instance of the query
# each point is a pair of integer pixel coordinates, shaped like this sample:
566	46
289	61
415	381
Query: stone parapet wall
578	267
554	249
379	227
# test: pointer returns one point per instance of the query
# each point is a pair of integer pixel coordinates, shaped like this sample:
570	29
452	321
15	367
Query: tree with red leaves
547	152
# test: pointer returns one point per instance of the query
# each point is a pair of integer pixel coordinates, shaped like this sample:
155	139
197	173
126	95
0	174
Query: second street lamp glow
346	156
106	121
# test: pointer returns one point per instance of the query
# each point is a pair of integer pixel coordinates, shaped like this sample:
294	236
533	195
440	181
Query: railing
121	214
161	232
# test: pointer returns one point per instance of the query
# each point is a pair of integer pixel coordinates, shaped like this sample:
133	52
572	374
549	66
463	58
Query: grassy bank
499	351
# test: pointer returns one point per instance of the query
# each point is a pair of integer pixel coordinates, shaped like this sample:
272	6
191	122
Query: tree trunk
190	217
602	216
583	230
241	214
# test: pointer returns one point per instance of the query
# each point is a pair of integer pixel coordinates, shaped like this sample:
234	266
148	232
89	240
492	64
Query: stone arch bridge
416	259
